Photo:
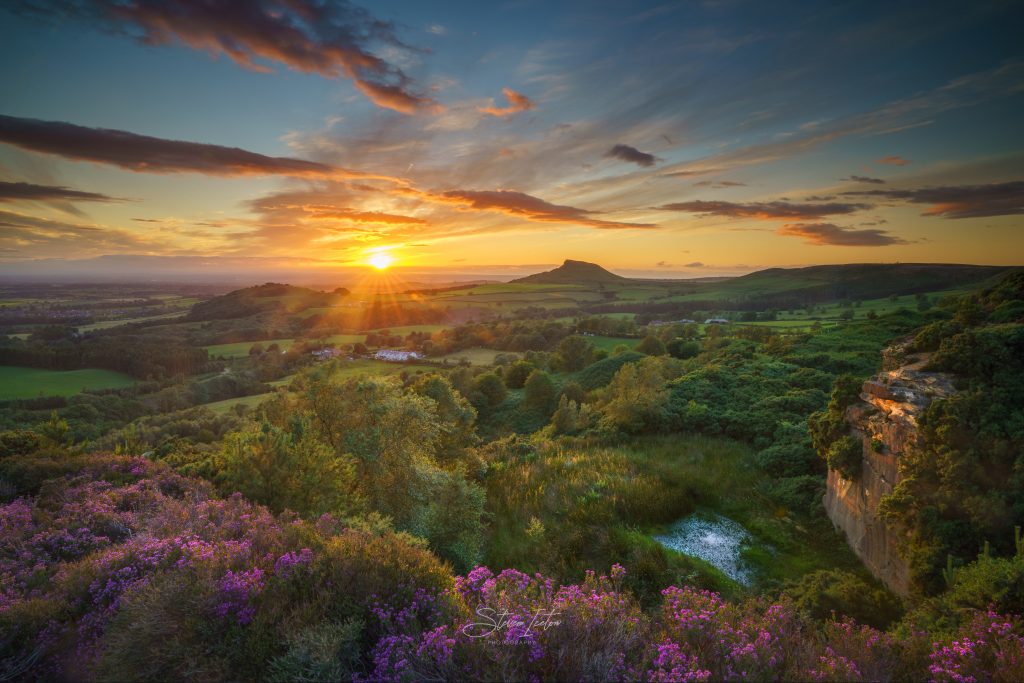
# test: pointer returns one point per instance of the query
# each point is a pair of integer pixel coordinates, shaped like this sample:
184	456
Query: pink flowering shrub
734	641
123	570
989	648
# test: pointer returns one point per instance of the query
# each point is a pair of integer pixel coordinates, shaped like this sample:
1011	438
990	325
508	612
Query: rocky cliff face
885	420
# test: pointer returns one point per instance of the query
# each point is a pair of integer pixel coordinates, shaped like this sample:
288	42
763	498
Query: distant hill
855	280
809	284
264	298
573	273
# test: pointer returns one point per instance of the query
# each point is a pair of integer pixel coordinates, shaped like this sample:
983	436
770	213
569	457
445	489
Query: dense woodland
351	525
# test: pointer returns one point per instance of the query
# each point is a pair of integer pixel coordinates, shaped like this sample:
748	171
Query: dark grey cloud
152	155
694	264
632	155
46	193
961	201
526	206
827	234
864	179
765	210
332	39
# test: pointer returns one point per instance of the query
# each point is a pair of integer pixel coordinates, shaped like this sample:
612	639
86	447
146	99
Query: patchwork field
609	343
474	356
107	324
17	382
241	349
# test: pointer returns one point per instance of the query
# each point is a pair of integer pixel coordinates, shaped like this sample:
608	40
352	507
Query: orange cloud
362	216
517	103
396	98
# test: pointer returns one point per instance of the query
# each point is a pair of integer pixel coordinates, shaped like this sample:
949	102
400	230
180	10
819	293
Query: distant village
387	355
687	321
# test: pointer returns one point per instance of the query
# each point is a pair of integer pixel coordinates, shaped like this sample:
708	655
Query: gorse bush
846	455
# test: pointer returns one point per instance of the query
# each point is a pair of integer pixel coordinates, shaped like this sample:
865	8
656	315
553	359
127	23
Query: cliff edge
885	420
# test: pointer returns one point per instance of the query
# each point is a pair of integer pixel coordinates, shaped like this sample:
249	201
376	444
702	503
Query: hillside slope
262	298
856	280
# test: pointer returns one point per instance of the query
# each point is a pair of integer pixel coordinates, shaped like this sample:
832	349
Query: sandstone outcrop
885	419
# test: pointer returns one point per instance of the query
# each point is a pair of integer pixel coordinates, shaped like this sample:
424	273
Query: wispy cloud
864	179
44	237
352	216
827	234
966	91
332	39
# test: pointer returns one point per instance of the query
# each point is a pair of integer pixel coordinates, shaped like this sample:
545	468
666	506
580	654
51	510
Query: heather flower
237	591
15	519
391	658
672	665
989	648
286	565
834	667
437	647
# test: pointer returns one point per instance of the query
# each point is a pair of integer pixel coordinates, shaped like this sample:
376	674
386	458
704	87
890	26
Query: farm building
394	356
326	354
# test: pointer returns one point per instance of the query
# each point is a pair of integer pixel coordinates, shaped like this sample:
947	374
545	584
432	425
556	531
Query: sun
381	260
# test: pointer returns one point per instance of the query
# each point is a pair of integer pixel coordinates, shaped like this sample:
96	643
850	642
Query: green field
474	356
17	382
241	349
107	324
408	329
609	343
247	401
828	314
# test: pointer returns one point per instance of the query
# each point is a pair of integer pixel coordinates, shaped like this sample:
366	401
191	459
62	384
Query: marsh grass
601	503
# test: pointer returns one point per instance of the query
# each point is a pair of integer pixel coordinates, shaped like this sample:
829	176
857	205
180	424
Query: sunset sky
674	139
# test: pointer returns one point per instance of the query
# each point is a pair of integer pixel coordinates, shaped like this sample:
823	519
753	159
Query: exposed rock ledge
885	418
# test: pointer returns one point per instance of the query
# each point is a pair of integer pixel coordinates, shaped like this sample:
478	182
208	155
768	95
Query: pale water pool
713	538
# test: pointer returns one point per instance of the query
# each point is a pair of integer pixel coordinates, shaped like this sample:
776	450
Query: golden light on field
381	260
